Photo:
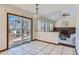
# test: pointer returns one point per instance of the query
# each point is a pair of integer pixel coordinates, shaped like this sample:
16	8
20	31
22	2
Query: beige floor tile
55	53
26	53
34	51
57	50
67	53
67	50
39	47
47	49
42	53
27	48
16	51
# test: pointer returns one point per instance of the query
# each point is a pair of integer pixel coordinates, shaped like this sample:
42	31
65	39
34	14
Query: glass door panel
14	30
26	30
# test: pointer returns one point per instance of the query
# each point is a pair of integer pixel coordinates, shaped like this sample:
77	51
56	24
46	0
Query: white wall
3	29
3	22
51	37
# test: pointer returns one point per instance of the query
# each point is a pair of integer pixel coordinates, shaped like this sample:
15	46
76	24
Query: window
44	26
51	27
39	25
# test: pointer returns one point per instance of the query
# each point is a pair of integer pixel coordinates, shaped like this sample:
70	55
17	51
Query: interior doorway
19	30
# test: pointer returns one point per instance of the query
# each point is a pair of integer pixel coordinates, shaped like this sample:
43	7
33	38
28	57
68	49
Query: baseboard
3	50
54	43
67	45
44	41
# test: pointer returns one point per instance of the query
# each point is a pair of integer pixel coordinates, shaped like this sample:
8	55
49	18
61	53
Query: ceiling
51	11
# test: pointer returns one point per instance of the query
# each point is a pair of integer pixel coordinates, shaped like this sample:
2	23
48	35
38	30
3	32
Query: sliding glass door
19	30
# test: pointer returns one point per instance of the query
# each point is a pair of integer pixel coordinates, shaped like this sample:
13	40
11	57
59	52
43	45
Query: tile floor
39	48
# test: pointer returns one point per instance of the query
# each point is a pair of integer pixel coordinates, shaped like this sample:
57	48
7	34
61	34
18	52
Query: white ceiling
51	11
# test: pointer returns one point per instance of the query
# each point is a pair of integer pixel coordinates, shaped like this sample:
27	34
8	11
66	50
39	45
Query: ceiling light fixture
36	14
66	14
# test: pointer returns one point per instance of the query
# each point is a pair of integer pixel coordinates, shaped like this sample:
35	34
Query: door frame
8	26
